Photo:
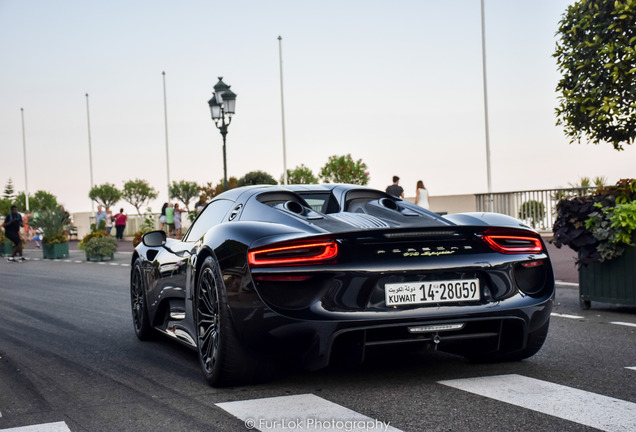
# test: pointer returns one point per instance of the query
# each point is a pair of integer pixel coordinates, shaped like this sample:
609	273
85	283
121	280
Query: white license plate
431	292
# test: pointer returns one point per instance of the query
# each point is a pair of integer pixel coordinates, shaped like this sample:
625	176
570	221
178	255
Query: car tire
223	360
138	303
536	340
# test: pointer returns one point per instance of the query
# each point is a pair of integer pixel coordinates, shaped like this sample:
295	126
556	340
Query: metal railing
537	208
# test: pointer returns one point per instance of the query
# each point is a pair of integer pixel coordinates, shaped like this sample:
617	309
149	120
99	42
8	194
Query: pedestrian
421	195
28	231
100	216
162	217
200	204
12	224
109	221
395	189
120	224
37	238
170	218
177	220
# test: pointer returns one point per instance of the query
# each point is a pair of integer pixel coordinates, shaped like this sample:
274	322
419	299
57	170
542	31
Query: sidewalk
121	257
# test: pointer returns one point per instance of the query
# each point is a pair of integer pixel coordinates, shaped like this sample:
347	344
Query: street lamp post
222	105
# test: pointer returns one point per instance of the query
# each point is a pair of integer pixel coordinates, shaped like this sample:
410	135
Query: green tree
138	193
38	201
106	194
256	178
184	191
343	169
300	175
596	56
5	207
20	202
43	200
209	191
9	190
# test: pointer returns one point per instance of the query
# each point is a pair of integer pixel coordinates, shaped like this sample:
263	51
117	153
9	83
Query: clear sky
398	84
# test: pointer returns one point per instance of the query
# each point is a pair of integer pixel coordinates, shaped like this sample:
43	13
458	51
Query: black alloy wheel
223	359
138	304
208	321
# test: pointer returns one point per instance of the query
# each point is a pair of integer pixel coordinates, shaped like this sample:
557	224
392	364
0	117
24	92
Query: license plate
433	292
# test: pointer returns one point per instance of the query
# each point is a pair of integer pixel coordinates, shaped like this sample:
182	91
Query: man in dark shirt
12	224
395	189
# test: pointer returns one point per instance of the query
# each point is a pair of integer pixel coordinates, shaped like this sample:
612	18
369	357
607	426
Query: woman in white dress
421	195
177	221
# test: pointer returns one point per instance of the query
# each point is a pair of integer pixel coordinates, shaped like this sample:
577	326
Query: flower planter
99	257
55	251
7	248
609	282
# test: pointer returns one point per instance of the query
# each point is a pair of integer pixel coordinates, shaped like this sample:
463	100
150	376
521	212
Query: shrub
532	210
598	226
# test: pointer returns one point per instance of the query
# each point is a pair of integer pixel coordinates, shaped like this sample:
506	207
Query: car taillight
512	244
294	254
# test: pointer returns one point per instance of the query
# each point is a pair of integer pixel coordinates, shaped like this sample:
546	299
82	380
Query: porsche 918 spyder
325	272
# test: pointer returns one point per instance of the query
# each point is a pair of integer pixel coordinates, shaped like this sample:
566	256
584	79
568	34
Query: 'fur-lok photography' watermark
313	424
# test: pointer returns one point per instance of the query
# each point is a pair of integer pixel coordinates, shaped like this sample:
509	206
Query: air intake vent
389	203
294	207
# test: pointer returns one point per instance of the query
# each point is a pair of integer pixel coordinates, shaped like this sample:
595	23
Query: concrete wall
451	203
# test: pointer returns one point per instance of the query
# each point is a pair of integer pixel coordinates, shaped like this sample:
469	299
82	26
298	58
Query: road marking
631	367
579	406
623	323
78	261
125	265
571	284
301	412
566	316
45	427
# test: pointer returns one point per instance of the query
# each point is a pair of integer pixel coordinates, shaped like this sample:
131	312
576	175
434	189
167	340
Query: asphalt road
69	359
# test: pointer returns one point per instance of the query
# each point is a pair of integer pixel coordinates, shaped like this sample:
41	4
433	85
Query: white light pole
90	150
282	105
165	119
483	53
26	183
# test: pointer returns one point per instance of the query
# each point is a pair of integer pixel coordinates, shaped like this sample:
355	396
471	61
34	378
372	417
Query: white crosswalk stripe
45	427
586	408
631	367
566	316
301	412
626	324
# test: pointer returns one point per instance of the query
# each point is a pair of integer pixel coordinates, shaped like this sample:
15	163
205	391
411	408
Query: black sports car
324	272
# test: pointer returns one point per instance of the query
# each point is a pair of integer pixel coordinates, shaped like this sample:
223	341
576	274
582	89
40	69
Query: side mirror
154	239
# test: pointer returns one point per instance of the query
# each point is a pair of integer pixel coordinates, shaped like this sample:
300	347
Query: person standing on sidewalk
12	224
120	224
170	219
395	189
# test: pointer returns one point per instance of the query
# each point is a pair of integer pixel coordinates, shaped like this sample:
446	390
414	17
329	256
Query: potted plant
600	227
98	245
53	224
6	246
